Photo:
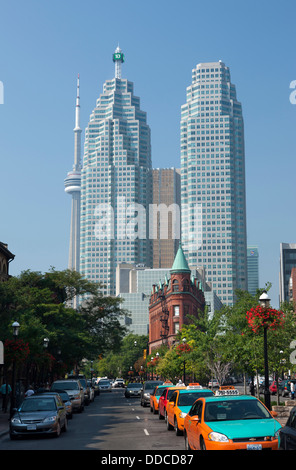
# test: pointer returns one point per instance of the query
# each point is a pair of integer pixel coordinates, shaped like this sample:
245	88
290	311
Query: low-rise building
5	258
172	301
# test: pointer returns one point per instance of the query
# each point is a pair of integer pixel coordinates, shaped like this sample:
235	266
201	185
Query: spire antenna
118	59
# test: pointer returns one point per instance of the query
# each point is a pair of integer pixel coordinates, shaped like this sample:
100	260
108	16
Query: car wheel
187	446
169	426
177	430
160	416
58	431
202	444
65	427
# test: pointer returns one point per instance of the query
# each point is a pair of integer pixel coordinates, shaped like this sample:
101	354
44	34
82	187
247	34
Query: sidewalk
4	423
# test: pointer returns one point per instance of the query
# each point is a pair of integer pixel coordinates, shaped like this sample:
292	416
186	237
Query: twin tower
112	191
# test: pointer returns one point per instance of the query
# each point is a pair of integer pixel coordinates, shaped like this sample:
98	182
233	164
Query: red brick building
172	301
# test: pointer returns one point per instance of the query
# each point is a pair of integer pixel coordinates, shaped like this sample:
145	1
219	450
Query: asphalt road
110	423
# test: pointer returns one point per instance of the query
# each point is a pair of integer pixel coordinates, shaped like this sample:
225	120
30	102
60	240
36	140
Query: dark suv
148	388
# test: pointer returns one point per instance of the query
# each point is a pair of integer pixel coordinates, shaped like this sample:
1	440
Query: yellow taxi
230	421
154	397
180	403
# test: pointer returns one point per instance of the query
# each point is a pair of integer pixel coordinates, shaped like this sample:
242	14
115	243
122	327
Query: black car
133	390
288	432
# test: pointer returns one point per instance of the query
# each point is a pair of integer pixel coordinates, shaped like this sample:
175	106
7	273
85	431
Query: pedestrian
5	391
30	391
292	388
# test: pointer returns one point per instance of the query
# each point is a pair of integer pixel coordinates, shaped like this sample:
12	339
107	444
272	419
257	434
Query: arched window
175	285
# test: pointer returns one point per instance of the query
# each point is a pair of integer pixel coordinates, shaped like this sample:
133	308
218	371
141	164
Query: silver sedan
39	414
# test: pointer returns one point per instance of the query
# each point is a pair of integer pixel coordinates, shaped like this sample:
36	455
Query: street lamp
264	302
45	343
184	342
152	359
15	330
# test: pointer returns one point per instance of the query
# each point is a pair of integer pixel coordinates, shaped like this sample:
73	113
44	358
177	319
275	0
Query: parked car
85	386
273	387
285	387
213	383
105	385
288	432
91	390
95	383
66	400
133	390
74	390
148	388
39	414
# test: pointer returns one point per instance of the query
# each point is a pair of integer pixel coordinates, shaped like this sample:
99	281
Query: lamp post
184	342
264	302
152	359
15	328
45	346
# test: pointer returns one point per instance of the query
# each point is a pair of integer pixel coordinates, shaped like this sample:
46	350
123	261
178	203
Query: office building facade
166	218
115	184
213	180
253	269
287	262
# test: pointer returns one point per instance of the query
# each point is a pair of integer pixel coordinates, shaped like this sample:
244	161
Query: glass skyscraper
115	183
253	269
213	180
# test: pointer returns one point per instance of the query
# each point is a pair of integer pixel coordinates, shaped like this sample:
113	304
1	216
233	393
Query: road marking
146	432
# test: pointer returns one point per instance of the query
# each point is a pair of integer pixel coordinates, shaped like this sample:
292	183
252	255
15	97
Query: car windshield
134	385
64	396
235	410
104	382
149	386
187	399
83	382
65	386
38	404
159	392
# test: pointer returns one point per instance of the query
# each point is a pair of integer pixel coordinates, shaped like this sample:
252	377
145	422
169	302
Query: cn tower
73	187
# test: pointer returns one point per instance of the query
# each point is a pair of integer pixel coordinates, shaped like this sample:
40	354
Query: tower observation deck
73	187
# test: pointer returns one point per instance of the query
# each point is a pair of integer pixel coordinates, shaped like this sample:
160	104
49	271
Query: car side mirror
195	419
273	414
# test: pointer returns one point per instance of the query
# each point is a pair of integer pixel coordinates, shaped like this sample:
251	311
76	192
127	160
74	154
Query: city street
111	422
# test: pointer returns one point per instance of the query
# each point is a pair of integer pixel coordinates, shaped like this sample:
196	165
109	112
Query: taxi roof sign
194	386
227	390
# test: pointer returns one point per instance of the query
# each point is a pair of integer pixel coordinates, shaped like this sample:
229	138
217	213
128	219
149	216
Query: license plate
254	446
31	427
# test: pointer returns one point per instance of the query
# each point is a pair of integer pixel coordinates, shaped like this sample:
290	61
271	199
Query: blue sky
44	44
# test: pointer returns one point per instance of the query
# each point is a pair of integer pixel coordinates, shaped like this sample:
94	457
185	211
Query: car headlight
50	419
217	437
16	421
182	414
